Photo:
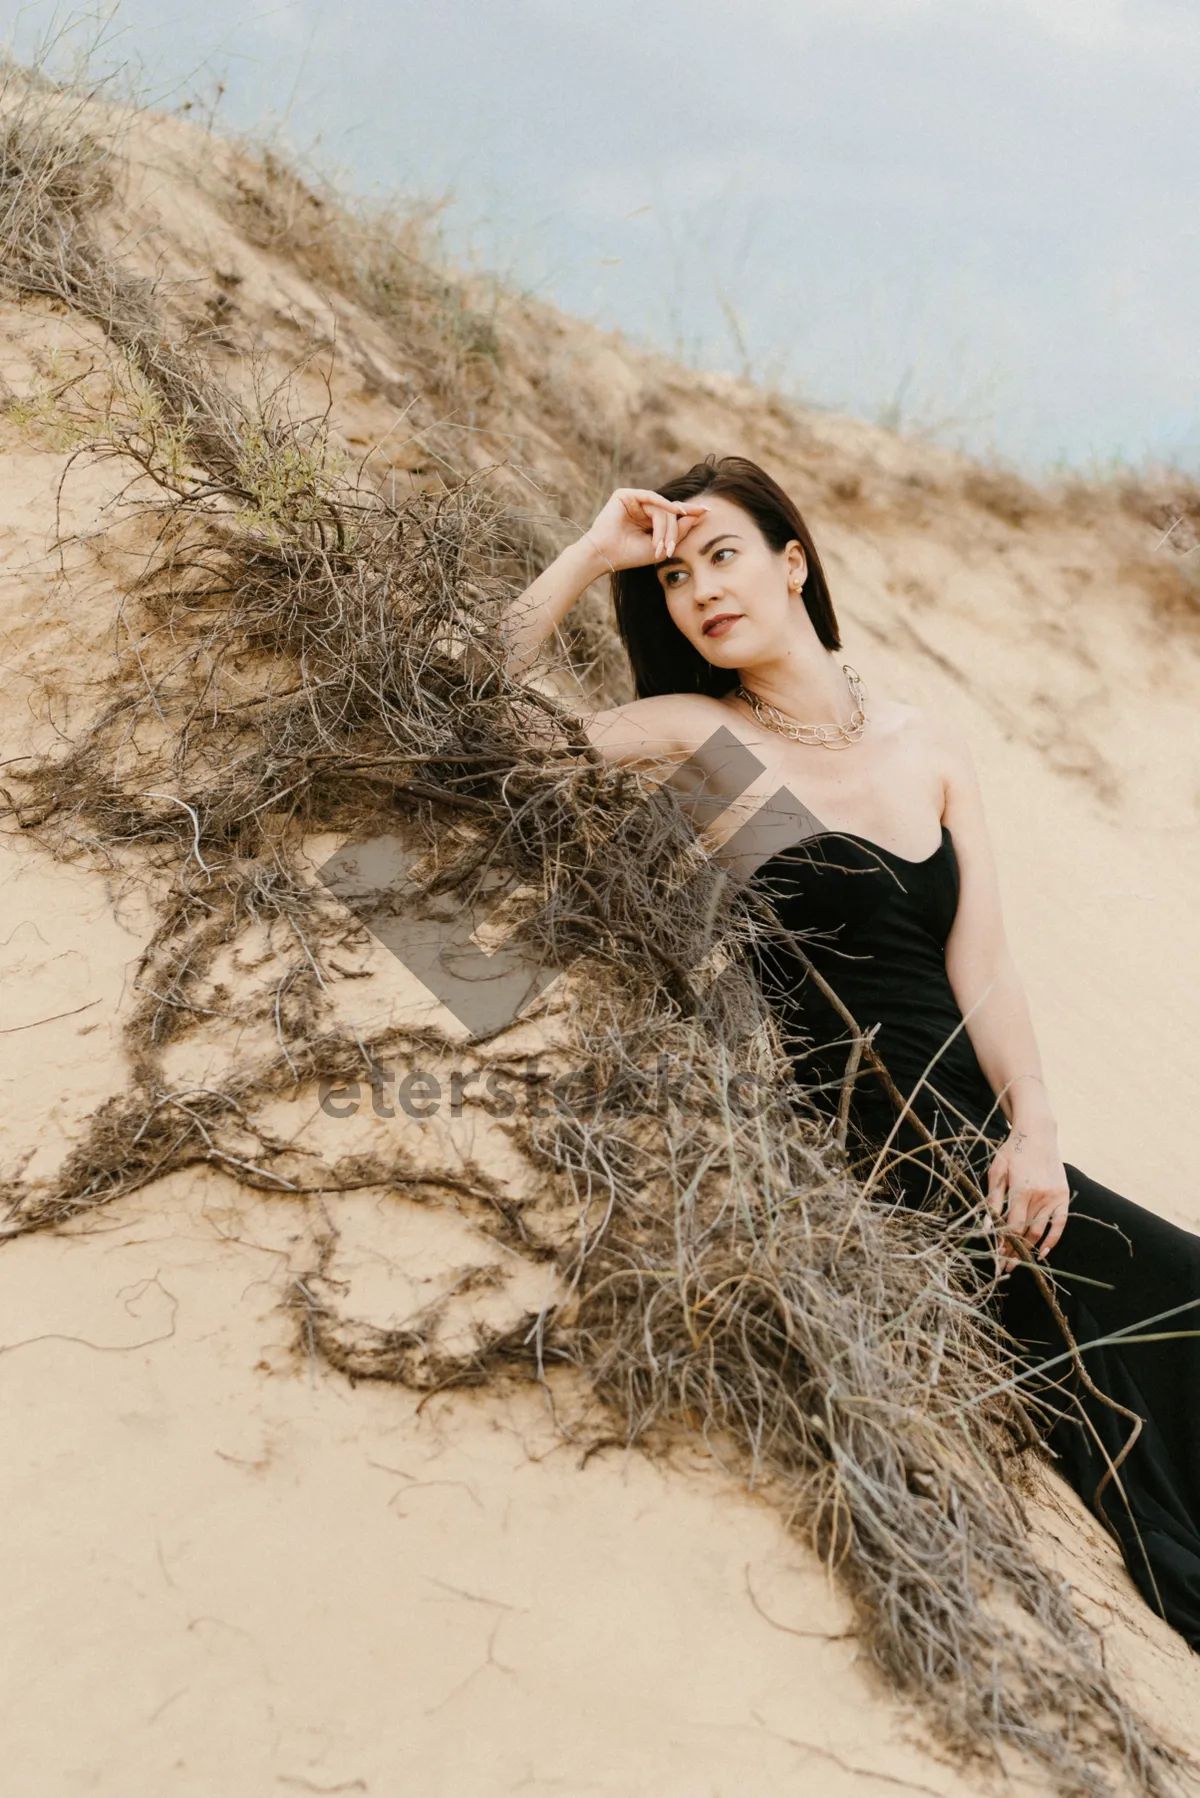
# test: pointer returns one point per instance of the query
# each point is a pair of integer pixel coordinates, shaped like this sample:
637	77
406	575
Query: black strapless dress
875	925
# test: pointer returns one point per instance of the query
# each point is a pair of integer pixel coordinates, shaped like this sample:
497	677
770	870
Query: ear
797	566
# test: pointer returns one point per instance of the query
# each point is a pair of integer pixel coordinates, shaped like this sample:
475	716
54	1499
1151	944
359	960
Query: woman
879	854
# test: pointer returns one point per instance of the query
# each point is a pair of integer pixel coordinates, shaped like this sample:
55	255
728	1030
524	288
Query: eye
671	577
728	550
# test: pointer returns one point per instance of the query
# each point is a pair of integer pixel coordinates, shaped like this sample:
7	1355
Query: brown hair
662	659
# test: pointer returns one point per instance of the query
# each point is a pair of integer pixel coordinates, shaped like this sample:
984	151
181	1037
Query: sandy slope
223	1568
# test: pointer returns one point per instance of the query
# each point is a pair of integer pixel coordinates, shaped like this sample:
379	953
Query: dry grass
1013	501
1172	586
461	365
305	655
382	259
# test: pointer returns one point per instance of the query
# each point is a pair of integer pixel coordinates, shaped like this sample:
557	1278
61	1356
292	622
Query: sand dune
227	1567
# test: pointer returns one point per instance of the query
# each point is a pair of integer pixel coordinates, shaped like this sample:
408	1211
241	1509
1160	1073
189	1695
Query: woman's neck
803	687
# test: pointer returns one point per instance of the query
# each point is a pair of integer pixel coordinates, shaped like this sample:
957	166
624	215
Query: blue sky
978	217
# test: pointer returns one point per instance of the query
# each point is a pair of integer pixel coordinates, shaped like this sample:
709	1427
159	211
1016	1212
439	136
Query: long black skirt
1128	1284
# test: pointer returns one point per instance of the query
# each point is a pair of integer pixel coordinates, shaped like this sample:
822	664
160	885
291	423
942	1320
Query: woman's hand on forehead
637	526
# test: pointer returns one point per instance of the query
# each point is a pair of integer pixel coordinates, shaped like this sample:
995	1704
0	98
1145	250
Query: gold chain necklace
829	736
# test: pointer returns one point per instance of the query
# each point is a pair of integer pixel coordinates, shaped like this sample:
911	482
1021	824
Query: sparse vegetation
379	258
1002	494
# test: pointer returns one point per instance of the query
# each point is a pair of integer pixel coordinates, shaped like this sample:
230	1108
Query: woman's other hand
636	527
1028	1192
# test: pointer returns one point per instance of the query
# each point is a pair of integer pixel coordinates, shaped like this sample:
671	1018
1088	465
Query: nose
706	584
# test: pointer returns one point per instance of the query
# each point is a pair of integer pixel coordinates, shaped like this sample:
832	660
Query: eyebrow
711	544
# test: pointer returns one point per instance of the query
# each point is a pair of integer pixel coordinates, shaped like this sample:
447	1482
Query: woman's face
728	591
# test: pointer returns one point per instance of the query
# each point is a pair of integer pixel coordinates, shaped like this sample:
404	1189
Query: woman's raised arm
634	528
534	614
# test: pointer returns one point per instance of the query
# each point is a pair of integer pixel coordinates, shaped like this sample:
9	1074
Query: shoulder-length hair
662	659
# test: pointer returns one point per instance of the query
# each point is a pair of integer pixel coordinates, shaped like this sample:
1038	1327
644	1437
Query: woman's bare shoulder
669	725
